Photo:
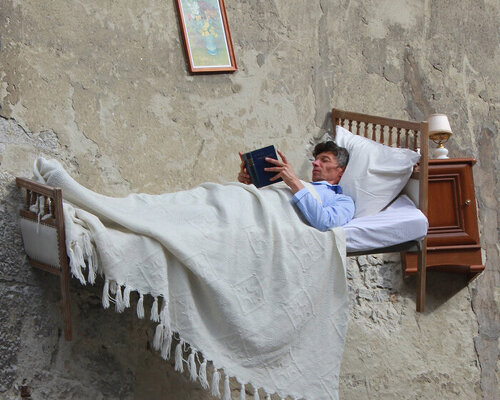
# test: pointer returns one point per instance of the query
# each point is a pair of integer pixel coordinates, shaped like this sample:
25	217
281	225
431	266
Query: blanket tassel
92	269
215	384
164	317
227	389
126	296
75	262
88	254
178	357
87	245
158	338
192	366
256	393
105	294
242	392
167	344
140	306
119	304
154	311
112	287
203	375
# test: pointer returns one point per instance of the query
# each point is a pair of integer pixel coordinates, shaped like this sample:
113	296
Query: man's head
329	162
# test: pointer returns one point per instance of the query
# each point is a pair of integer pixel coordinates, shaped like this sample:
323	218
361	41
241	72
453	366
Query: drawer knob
467	202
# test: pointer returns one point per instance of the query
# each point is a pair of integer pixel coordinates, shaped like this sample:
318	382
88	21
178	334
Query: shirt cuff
301	193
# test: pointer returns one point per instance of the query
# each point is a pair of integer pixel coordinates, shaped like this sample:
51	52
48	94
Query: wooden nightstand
453	237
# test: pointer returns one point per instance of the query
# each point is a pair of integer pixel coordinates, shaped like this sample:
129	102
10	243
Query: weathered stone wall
104	88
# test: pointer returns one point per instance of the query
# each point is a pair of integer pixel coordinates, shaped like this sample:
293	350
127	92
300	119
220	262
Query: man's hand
243	175
285	172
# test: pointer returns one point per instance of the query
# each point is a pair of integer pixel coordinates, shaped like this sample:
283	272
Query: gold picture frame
206	35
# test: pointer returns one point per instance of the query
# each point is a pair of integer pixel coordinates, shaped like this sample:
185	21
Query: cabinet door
452	205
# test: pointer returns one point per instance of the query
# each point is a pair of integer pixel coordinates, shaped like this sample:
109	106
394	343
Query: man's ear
342	170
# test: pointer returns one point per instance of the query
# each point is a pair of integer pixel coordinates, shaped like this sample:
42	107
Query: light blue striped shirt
336	209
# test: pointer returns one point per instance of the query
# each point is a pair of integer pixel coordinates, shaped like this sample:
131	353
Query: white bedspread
234	271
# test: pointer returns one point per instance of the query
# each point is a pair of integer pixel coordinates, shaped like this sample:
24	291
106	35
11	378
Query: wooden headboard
393	133
402	134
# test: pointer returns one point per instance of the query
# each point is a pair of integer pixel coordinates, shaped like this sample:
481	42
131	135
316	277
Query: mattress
400	222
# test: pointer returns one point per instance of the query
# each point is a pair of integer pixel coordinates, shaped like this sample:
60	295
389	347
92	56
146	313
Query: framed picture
206	36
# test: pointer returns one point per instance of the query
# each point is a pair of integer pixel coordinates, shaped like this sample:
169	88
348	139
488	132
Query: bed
399	226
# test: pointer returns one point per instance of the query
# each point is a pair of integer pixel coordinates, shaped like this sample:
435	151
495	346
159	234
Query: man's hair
340	153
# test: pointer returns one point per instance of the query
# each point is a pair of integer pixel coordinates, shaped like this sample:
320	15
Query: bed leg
63	262
66	305
421	275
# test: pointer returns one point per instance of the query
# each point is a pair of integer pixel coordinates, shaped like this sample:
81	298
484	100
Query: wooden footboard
42	228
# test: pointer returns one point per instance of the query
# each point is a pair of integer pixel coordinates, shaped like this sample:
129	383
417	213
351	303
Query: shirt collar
336	188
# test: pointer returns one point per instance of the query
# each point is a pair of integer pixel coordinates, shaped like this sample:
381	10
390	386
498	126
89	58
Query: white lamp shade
439	123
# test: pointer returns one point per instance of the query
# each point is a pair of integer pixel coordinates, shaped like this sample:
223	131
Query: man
330	161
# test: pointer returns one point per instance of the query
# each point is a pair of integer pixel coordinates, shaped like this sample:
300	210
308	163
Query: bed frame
42	228
42	219
403	134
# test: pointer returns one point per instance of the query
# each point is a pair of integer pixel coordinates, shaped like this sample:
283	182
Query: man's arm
337	212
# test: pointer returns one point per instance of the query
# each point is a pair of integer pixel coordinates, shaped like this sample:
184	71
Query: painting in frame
206	36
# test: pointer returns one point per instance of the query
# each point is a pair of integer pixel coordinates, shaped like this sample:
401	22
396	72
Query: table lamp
439	133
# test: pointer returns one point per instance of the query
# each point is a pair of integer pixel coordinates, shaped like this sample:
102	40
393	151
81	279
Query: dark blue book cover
255	162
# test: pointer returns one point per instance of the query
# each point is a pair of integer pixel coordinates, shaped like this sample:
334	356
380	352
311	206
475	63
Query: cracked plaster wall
103	87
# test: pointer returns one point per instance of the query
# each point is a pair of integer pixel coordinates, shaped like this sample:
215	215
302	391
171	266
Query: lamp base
441	153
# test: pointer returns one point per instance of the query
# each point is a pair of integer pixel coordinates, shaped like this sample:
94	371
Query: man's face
326	168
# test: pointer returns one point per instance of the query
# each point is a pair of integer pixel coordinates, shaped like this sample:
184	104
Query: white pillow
375	174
